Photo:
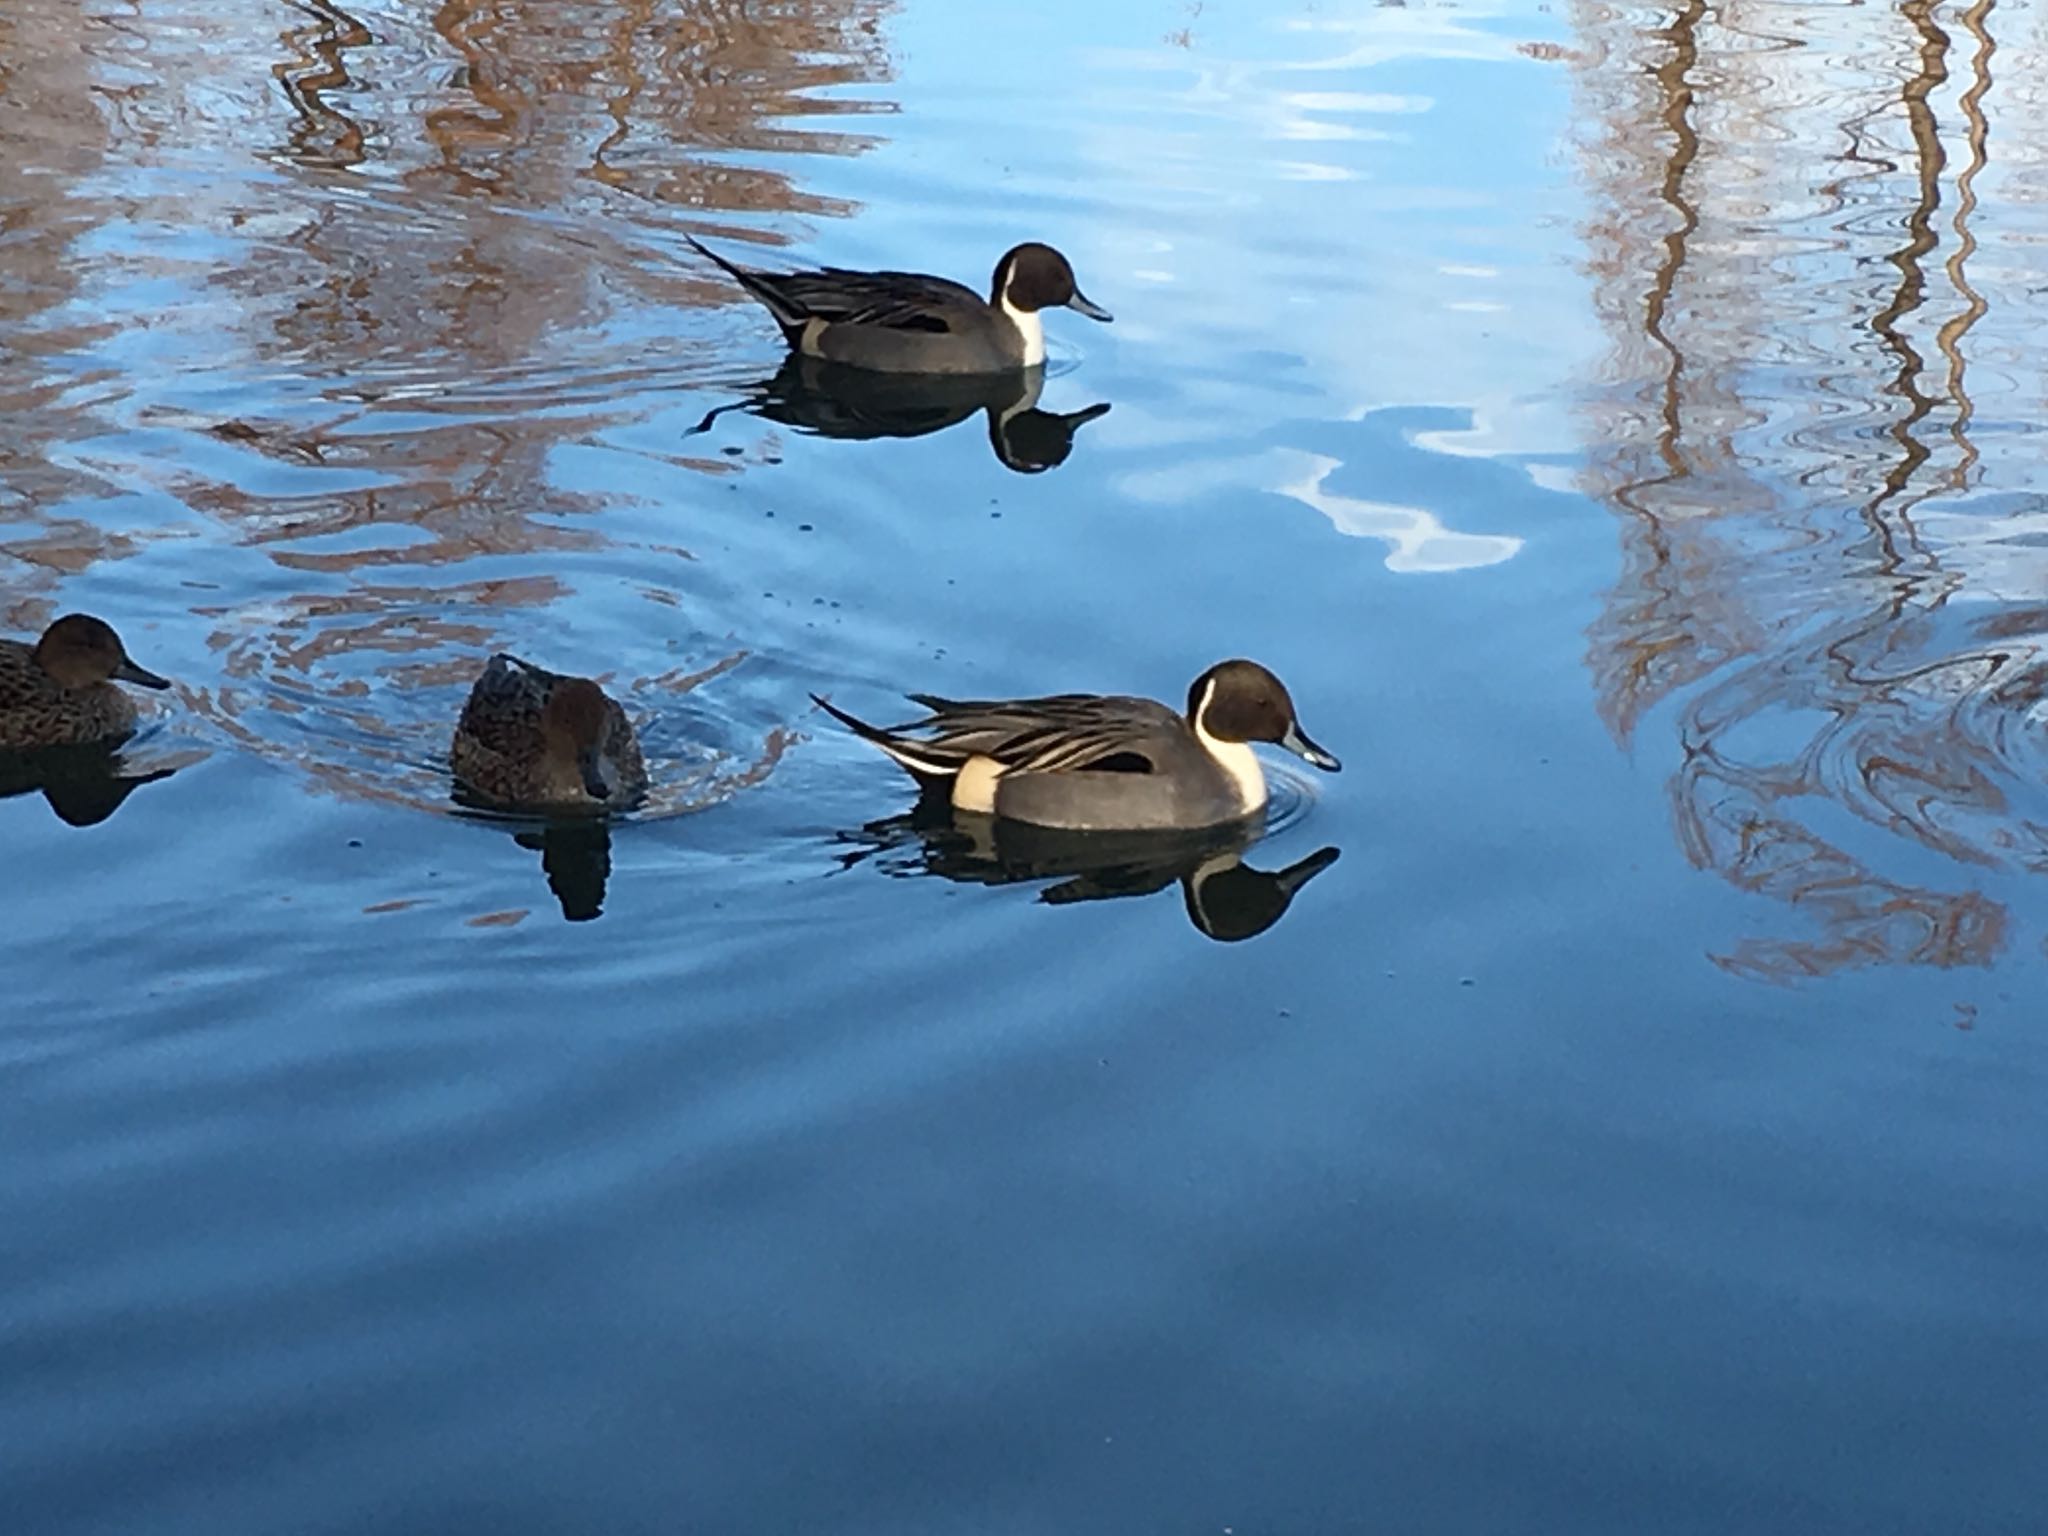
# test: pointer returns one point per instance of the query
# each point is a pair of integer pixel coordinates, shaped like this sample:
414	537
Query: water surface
1620	427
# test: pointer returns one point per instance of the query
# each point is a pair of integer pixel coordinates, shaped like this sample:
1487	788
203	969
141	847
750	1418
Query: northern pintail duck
60	691
529	737
906	322
1090	762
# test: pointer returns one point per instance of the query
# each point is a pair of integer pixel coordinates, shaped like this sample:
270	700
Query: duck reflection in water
1226	899
575	851
859	405
577	859
84	785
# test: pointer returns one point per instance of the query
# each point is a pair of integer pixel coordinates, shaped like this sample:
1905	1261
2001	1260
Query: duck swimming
1093	762
531	738
60	691
906	322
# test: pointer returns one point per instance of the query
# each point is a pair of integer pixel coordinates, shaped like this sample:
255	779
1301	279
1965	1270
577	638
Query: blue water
1620	428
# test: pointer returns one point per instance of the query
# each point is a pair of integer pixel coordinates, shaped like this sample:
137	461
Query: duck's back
899	322
498	749
37	711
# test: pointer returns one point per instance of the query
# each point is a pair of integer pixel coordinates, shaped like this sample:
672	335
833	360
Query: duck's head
80	651
1031	277
1241	701
573	724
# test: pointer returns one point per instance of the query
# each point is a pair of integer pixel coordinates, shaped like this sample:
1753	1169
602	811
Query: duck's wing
895	301
22	682
899	301
1061	733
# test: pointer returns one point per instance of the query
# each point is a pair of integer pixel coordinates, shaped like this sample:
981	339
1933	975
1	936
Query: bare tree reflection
1767	257
53	138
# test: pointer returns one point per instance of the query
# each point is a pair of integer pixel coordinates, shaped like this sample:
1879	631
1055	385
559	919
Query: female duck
60	691
906	322
530	738
1089	762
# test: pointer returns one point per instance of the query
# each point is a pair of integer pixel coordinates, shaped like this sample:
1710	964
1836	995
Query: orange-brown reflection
53	136
1820	562
355	274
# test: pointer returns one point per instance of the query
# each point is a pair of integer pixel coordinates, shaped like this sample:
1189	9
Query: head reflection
859	405
83	785
575	851
1226	899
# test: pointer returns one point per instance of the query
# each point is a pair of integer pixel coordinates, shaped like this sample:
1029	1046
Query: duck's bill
1087	306
593	776
1295	742
141	677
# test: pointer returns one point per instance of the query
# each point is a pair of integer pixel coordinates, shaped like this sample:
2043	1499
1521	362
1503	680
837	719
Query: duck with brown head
534	739
60	691
1033	277
908	322
1095	762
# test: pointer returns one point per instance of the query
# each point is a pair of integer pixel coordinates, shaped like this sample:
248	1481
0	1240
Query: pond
1610	1105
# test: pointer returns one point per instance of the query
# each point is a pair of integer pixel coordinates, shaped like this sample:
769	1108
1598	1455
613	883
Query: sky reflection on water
1621	429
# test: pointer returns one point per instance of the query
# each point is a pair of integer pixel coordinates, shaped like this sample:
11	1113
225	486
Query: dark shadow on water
576	856
575	850
1226	899
83	785
859	405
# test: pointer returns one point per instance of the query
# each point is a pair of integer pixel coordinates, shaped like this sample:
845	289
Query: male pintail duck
1088	762
533	738
60	691
905	322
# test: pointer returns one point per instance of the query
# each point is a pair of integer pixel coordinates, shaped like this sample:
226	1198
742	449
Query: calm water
1622	428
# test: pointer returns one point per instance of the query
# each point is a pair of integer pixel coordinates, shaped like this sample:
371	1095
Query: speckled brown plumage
79	705
502	751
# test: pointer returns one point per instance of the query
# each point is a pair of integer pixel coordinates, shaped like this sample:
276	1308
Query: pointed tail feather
759	284
914	757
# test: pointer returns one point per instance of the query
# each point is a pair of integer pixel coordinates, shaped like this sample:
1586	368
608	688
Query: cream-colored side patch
1235	758
974	786
1030	327
809	342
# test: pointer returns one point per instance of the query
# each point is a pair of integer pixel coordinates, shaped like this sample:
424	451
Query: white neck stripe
1029	326
1235	758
